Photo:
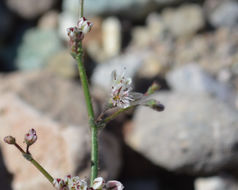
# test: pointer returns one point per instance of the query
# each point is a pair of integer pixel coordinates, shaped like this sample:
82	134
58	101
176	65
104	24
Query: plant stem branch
39	167
93	126
115	114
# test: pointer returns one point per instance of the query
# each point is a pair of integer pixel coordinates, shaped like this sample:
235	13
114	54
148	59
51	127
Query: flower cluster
30	137
74	183
121	95
76	33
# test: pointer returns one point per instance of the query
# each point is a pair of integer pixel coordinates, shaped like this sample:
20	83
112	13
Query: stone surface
56	97
61	149
30	9
111	35
122	7
222	182
63	64
192	78
49	20
175	19
222	13
132	61
188	137
37	46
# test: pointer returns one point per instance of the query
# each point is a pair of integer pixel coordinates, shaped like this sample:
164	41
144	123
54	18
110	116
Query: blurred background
189	47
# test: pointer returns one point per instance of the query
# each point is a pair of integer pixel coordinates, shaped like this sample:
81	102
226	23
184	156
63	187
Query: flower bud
84	25
98	183
114	185
30	137
9	140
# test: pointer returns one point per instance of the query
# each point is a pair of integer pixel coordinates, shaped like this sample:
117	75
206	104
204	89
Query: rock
36	48
49	20
56	97
222	182
188	137
61	149
30	9
174	20
222	13
192	78
63	64
132	61
111	35
123	7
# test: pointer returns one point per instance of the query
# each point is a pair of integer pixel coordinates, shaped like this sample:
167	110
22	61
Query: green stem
114	115
39	167
94	130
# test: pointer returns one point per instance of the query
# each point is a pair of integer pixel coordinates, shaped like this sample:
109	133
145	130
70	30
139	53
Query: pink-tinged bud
9	140
114	185
98	183
84	25
30	137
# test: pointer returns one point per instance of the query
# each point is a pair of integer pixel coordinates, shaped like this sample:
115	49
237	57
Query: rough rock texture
222	13
37	46
59	98
174	19
60	148
30	9
193	78
196	134
222	182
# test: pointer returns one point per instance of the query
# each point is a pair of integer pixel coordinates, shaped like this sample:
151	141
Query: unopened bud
98	183
152	89
154	104
114	185
84	25
9	140
30	137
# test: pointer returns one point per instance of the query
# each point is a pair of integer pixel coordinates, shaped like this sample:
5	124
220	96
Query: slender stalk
115	114
94	130
35	163
40	168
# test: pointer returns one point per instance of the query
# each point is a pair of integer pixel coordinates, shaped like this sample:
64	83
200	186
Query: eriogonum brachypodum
121	94
76	34
75	183
30	137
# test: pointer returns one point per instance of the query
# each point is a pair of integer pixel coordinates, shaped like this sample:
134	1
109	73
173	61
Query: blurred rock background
189	47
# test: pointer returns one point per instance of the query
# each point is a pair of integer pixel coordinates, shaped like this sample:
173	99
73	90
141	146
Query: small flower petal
98	183
114	185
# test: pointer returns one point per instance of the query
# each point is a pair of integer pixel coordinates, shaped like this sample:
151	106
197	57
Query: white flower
30	137
114	185
84	25
59	184
121	95
98	183
75	183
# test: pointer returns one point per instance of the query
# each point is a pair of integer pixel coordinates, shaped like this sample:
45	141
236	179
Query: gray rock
185	20
122	7
225	13
132	61
36	48
196	134
192	78
30	9
222	182
58	98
